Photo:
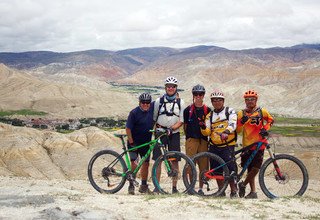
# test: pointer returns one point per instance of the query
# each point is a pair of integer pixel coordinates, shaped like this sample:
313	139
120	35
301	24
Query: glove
224	136
244	119
169	131
202	125
263	132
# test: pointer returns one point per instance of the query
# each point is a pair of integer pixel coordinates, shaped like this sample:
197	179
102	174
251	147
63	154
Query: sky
76	25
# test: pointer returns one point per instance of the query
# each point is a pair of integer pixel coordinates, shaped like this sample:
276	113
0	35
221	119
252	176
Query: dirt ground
24	198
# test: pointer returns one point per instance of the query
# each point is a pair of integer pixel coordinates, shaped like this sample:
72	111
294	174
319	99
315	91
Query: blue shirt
140	122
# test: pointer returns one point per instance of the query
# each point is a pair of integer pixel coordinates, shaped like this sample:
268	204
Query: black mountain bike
281	175
108	170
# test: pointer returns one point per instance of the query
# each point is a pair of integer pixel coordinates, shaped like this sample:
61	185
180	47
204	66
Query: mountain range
77	84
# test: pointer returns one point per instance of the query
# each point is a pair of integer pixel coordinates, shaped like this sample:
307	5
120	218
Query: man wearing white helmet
168	114
221	125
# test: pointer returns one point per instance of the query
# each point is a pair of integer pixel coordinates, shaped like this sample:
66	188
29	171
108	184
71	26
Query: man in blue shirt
139	122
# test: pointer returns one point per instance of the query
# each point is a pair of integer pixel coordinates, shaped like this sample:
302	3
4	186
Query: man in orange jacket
254	123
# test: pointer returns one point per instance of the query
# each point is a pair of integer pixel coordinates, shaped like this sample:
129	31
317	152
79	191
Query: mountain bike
108	170
281	175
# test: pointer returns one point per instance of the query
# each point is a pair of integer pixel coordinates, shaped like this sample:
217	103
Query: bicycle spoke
290	179
104	175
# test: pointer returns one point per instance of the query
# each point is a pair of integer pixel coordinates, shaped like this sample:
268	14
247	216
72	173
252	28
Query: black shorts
140	151
226	153
172	142
256	162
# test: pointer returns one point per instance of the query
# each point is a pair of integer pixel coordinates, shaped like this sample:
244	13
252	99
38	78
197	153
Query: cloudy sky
73	25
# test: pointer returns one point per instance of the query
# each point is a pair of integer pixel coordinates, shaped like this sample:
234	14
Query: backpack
192	108
171	112
227	114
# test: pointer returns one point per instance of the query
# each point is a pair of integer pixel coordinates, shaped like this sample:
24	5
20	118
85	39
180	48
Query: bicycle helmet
250	93
198	88
171	80
145	97
217	94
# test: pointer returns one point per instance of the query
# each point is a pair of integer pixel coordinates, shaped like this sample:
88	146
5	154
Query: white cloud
112	25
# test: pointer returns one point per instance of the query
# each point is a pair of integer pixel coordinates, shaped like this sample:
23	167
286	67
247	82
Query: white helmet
171	80
217	94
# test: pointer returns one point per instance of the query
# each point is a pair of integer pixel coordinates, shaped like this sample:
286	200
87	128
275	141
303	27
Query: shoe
233	195
131	190
144	189
251	195
200	192
242	189
174	191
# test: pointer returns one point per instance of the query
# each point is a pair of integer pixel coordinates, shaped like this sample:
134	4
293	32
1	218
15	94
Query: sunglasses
250	99
216	100
198	94
171	86
145	102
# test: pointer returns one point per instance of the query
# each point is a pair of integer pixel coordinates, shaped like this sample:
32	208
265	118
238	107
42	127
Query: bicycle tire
164	185
210	186
103	176
295	175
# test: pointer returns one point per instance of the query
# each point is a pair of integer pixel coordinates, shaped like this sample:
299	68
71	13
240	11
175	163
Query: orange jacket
250	130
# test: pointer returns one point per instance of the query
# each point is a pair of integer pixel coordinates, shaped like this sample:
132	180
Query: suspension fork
274	161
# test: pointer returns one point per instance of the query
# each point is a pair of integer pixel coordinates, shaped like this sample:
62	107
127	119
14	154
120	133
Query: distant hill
288	79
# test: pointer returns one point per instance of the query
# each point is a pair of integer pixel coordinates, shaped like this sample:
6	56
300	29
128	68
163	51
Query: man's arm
129	135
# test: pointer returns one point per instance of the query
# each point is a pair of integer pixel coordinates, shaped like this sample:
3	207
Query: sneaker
233	195
174	191
200	192
144	189
242	189
131	190
251	195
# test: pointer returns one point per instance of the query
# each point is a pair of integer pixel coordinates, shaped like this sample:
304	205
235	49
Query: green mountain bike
108	170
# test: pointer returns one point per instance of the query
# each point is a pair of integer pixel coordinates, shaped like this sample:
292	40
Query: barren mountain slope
47	155
83	97
286	86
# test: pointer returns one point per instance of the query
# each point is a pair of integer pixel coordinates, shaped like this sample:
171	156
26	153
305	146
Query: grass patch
290	120
156	90
21	112
296	131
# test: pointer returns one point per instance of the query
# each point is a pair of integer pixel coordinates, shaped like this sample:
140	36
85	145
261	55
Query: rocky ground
26	198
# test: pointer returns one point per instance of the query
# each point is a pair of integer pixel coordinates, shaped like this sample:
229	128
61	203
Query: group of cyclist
206	129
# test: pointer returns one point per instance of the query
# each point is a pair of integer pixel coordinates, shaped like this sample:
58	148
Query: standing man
168	114
221	125
251	124
193	115
140	121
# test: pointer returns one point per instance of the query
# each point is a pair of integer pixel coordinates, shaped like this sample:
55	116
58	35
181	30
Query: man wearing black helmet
140	121
193	114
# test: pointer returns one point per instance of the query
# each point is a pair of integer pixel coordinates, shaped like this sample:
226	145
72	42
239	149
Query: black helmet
198	88
145	97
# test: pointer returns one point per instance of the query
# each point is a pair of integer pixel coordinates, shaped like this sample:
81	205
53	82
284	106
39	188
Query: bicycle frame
152	144
244	168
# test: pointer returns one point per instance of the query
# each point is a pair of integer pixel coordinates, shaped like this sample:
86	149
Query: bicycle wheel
207	181
106	171
294	180
180	165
